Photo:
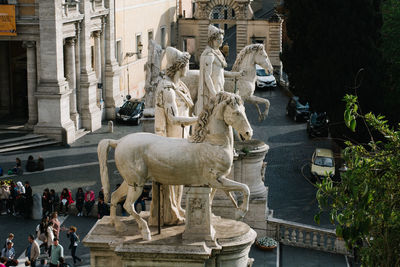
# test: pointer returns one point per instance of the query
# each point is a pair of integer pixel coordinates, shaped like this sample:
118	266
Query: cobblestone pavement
291	196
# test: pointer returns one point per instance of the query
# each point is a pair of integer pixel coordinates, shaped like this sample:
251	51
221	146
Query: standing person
57	251
28	200
9	239
212	73
32	251
66	200
101	194
30	164
102	209
12	198
171	115
80	199
4	195
50	236
41	229
9	253
46	202
54	200
74	240
56	224
89	200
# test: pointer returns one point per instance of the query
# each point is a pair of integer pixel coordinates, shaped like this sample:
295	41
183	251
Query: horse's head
261	58
235	116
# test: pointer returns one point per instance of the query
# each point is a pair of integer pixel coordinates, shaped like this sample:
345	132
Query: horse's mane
243	53
200	131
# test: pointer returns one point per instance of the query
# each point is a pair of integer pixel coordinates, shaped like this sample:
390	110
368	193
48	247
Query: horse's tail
102	151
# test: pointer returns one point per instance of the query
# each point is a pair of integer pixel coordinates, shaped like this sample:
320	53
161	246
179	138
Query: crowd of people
16	198
84	202
32	165
45	246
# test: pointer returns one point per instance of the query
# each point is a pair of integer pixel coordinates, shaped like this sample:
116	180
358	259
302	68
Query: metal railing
305	236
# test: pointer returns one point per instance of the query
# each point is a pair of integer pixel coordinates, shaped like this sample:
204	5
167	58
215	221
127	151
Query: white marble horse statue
205	159
246	60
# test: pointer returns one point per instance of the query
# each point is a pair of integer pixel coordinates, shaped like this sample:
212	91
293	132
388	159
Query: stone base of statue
233	240
148	120
249	168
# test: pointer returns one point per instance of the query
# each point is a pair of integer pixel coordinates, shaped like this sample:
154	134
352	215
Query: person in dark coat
80	199
28	200
40	164
74	240
30	164
102	209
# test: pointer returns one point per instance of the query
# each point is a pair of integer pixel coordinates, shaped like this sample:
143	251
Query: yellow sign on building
7	20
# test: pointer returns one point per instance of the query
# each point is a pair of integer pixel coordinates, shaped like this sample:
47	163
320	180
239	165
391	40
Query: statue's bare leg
133	195
179	193
116	197
229	185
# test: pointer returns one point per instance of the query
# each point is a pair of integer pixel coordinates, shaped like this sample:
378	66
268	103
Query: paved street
291	196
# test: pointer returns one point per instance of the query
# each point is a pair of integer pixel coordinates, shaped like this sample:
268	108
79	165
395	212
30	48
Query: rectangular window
150	35
139	45
163	37
118	52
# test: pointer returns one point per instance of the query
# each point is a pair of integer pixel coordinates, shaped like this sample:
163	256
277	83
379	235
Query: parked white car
263	79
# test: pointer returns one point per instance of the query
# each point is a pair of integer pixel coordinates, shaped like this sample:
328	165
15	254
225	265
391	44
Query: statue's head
215	36
176	61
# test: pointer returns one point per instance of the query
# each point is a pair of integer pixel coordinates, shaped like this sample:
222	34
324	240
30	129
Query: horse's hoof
146	234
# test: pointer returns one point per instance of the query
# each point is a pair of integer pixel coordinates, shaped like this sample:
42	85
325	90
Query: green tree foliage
391	53
330	42
365	205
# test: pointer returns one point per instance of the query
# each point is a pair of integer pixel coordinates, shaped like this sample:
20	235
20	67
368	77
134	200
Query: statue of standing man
212	73
173	103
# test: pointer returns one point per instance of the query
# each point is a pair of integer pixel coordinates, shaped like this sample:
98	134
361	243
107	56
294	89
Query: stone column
112	96
53	91
78	68
89	111
97	54
32	82
70	72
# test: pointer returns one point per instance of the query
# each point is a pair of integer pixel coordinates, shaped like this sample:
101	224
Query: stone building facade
60	72
236	17
136	23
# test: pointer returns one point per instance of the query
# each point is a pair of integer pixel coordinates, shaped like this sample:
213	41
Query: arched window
222	12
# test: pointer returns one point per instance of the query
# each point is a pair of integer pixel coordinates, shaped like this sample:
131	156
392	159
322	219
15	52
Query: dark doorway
14	87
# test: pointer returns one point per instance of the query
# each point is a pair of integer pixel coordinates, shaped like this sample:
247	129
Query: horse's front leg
228	185
259	100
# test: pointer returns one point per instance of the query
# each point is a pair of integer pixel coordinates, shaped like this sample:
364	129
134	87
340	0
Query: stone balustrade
305	236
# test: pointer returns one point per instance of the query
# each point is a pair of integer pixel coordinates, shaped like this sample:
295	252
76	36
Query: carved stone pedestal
198	216
127	249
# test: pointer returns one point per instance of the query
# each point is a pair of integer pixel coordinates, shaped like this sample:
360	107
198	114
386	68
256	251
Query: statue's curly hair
180	63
